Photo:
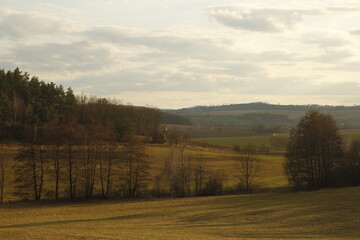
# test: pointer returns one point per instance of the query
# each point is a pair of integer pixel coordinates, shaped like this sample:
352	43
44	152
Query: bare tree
89	152
175	170
199	174
30	171
137	167
107	154
214	183
55	142
71	132
249	165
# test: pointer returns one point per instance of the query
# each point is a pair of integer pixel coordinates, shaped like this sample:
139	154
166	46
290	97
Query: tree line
84	147
74	147
318	157
69	139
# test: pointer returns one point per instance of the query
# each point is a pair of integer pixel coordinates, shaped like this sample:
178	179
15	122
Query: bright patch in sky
173	54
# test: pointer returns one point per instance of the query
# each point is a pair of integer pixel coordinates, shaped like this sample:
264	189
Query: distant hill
265	117
171	118
266	106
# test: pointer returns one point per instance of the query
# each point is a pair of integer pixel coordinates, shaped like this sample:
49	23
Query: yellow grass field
271	176
324	214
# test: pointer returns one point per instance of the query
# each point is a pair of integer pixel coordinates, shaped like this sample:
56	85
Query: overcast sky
173	54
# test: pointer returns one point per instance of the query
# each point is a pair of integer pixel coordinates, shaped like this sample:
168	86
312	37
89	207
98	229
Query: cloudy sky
173	54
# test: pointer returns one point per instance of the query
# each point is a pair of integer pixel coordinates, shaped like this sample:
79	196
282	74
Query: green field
231	141
265	140
260	141
324	214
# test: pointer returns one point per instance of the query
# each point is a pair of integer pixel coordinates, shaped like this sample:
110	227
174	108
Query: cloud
335	56
143	82
160	40
55	9
344	88
352	66
168	45
325	39
56	57
184	61
344	9
16	25
259	19
355	32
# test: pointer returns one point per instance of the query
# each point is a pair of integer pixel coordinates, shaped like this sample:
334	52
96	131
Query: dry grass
272	175
325	214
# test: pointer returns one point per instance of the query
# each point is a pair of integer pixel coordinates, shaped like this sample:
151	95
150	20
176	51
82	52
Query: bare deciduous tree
249	165
199	174
137	174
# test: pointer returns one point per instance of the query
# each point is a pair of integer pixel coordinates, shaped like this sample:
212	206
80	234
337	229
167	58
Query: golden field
324	214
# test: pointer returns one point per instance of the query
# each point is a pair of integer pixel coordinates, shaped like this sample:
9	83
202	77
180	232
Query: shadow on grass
118	218
260	235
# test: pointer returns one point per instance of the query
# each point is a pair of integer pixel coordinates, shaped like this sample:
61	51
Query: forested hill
170	118
266	107
29	108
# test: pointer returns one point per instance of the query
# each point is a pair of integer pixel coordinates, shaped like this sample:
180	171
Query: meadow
271	213
274	142
218	157
219	160
271	176
242	141
324	214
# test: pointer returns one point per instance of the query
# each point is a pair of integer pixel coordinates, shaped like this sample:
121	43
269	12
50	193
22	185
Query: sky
173	54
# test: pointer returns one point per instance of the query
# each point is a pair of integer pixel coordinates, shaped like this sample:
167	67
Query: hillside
325	214
267	106
263	117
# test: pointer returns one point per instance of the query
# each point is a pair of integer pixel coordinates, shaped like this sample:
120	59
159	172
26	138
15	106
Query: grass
271	176
231	141
325	214
263	140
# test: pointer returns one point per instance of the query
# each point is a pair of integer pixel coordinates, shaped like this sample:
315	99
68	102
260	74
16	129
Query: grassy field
261	141
271	176
325	214
265	140
231	141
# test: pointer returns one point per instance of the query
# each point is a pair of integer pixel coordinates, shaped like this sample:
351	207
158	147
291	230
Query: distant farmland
274	142
272	117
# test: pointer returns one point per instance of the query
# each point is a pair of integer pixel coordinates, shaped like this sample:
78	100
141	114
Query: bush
214	184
